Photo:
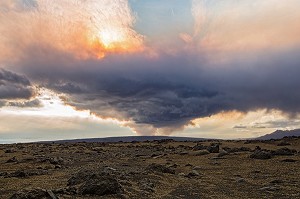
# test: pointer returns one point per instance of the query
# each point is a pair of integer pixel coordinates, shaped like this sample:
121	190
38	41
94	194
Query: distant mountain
127	139
280	134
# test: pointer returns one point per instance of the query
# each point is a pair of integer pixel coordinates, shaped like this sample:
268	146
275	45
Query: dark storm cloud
13	77
267	80
14	86
68	87
155	92
173	90
23	104
157	103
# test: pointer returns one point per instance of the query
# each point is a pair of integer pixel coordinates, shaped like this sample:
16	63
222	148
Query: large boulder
213	148
160	168
100	185
262	155
85	174
199	147
284	151
80	177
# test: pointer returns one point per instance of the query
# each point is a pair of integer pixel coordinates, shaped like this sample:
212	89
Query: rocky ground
158	169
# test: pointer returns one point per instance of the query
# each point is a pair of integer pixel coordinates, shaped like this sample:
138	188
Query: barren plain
164	169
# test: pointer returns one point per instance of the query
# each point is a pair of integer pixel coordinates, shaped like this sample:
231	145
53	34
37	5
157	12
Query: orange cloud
85	29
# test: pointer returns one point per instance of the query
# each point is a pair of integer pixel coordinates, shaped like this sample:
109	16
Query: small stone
160	168
109	169
34	193
148	186
200	152
283	143
3	173
68	190
51	194
289	160
9	151
269	188
197	168
257	148
19	174
27	173
173	165
56	160
192	174
183	153
160	156
11	160
222	153
47	167
256	171
276	181
240	180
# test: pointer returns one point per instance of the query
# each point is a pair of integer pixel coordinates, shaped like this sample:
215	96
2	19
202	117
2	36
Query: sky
198	68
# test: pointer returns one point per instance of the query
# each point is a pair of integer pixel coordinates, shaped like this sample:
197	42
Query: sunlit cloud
242	25
84	29
53	119
235	124
220	65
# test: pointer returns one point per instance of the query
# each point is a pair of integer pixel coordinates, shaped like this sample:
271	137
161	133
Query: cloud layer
170	91
14	86
227	64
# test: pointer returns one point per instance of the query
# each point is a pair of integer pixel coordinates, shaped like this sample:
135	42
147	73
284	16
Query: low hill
127	139
280	134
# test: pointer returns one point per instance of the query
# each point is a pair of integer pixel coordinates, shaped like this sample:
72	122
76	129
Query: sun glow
112	40
110	37
83	29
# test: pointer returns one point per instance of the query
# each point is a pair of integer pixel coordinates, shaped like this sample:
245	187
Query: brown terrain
152	169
